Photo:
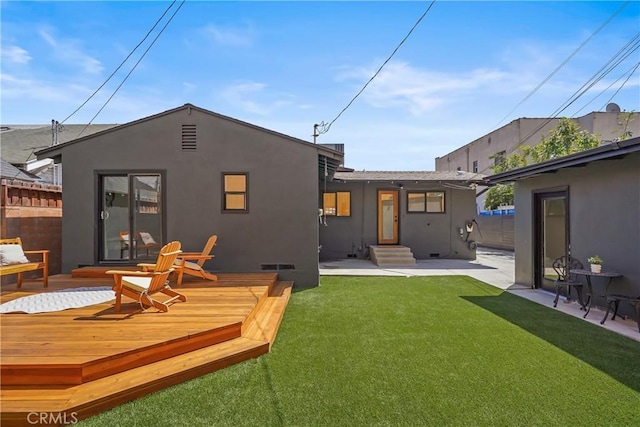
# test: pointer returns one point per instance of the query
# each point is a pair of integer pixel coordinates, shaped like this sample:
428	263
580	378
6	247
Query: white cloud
422	91
239	95
68	50
133	105
253	97
22	89
188	88
234	37
37	101
15	54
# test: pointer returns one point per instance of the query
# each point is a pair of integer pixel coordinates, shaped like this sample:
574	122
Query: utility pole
55	128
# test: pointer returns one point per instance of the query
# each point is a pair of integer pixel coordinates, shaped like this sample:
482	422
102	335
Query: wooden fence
33	212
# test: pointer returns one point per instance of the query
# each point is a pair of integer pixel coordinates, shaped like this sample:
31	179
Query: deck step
84	400
267	321
15	372
389	255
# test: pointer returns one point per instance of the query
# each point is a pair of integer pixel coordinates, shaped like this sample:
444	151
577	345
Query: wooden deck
79	362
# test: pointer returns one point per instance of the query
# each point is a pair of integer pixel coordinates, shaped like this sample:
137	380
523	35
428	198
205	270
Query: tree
566	138
625	120
501	194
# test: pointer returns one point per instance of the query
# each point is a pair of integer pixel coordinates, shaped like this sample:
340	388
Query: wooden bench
29	266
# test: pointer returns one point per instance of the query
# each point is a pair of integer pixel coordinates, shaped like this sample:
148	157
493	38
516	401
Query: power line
630	71
623	53
621	86
132	69
325	127
122	63
563	63
604	72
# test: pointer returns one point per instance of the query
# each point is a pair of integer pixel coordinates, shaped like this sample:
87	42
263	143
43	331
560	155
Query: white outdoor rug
59	300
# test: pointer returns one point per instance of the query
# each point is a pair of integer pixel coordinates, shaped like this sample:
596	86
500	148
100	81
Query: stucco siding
604	210
523	228
281	225
427	234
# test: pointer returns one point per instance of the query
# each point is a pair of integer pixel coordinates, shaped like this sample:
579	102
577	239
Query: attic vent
189	137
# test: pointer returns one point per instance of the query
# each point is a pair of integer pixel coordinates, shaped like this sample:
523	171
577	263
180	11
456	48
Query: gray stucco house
428	212
188	173
277	203
583	204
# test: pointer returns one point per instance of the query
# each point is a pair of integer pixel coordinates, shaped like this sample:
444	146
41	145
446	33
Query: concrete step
397	261
392	255
390	249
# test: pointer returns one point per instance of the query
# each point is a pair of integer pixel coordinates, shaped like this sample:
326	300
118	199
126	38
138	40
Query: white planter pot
596	268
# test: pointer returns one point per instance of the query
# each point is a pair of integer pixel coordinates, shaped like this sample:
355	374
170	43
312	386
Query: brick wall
33	212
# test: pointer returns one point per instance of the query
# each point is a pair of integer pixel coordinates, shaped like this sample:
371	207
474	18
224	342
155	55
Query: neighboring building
427	212
583	204
8	171
20	142
477	156
185	174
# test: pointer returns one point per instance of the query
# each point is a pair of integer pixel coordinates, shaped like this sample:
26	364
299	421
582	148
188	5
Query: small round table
609	275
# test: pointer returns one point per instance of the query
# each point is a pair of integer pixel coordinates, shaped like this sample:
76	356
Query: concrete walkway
492	266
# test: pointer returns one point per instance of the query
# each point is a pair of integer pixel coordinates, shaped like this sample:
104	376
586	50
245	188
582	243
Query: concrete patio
492	266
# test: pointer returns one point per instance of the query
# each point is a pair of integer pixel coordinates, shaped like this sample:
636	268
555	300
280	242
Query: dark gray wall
424	233
604	210
280	228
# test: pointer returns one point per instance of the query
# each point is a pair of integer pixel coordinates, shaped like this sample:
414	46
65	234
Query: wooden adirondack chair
185	263
144	285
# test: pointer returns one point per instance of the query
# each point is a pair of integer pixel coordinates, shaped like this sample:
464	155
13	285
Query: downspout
362	209
324	213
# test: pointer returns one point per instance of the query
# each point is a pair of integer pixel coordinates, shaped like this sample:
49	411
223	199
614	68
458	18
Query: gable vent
189	140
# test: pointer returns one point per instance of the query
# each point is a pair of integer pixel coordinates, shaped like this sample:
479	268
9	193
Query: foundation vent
277	267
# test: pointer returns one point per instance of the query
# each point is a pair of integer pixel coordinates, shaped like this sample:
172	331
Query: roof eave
416	181
46	152
604	152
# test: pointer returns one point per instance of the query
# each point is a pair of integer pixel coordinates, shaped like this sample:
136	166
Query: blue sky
288	65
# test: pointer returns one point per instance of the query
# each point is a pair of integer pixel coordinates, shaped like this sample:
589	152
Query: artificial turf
396	351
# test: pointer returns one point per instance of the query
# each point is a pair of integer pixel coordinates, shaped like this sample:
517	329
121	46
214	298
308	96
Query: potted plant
596	263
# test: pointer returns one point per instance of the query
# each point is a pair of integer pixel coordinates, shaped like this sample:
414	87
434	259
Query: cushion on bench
12	254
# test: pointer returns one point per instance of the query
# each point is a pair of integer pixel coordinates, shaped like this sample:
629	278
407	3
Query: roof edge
54	148
603	152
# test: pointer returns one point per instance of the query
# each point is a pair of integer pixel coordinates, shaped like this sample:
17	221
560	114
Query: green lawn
446	350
